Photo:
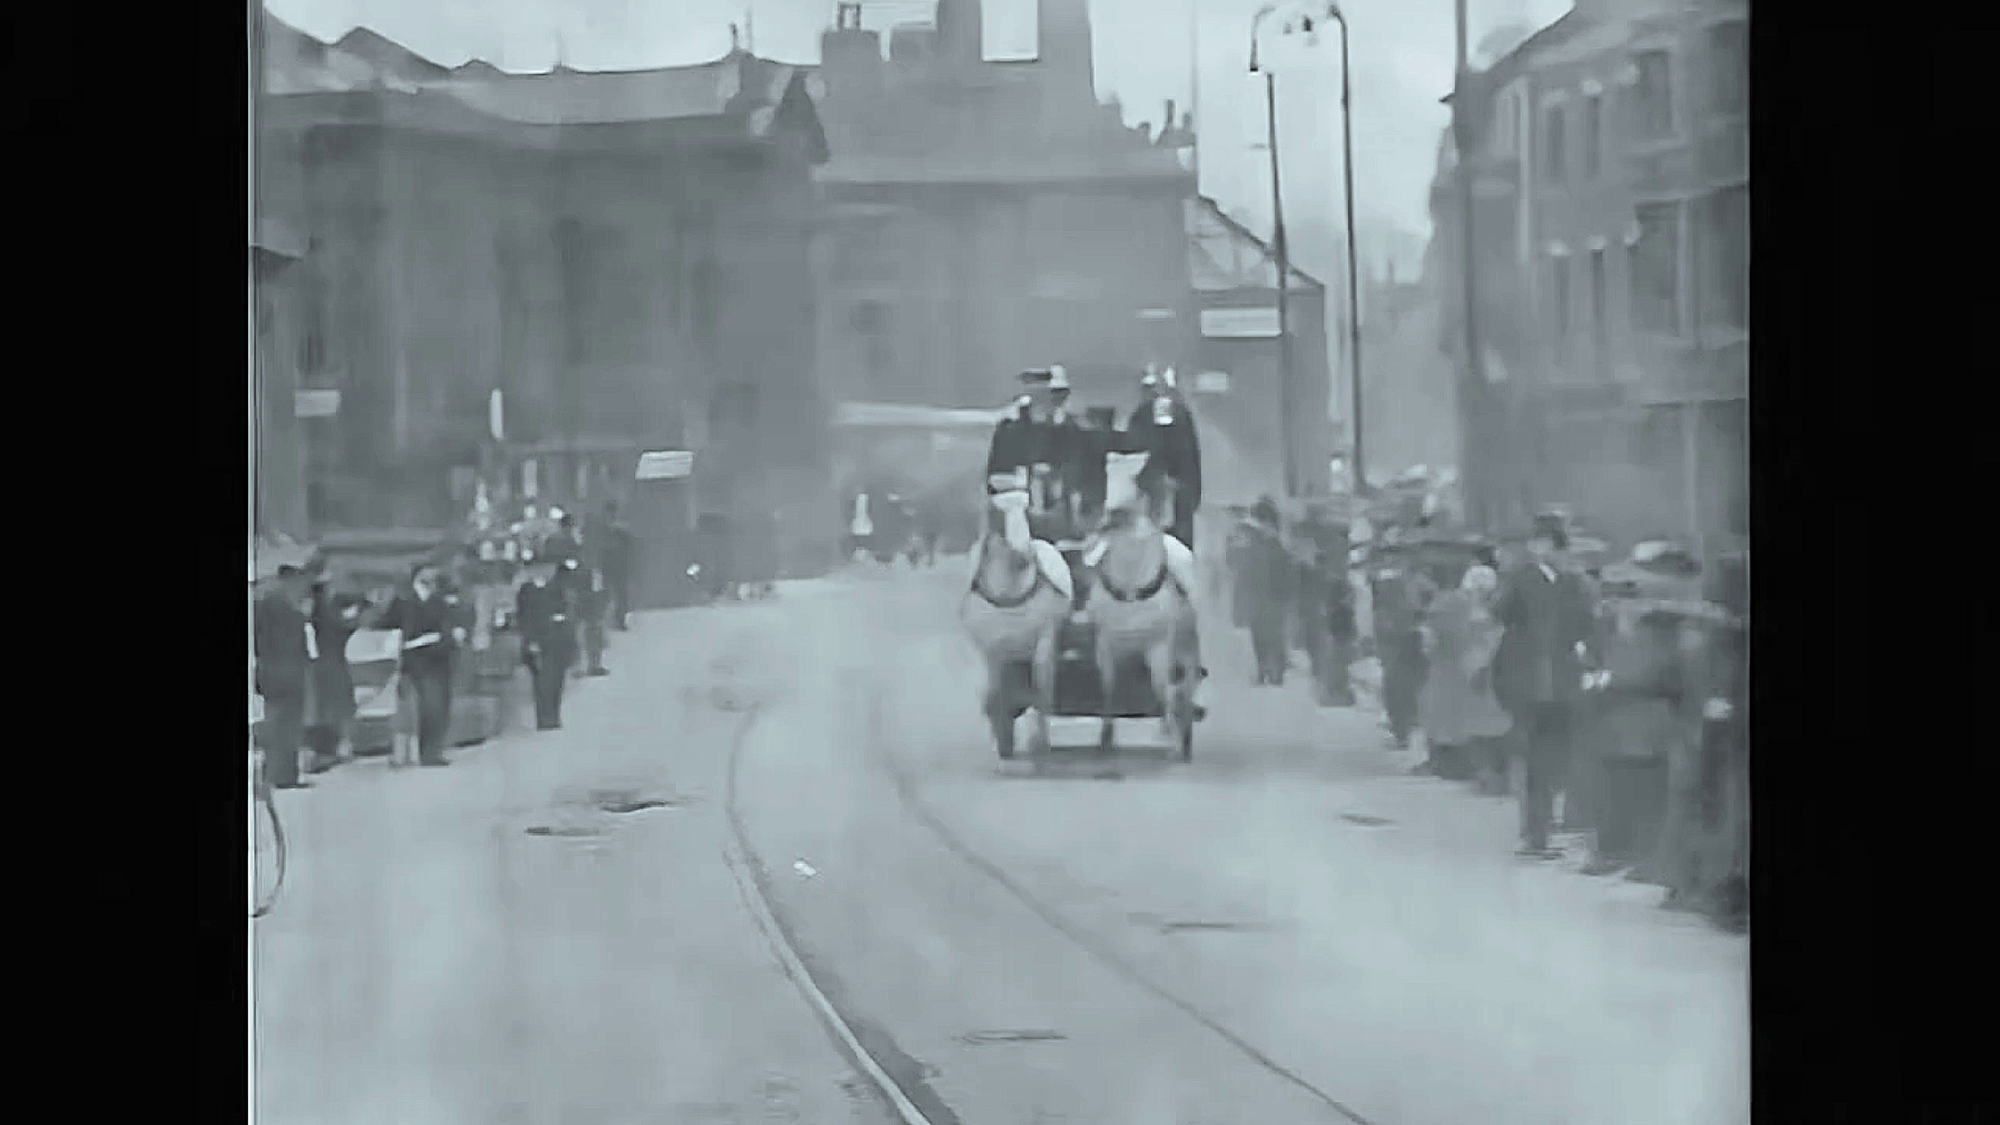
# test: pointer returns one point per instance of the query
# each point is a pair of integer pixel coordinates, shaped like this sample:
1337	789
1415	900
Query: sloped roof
738	83
387	55
564	96
1223	254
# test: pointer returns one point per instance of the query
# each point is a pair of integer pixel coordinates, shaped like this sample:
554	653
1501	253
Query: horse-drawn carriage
1103	607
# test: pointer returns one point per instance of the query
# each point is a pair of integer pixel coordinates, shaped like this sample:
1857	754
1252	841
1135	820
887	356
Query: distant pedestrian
283	650
1549	641
1265	588
542	609
592	605
432	631
617	561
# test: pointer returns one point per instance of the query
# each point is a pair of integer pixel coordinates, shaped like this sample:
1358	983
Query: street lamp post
1332	11
1283	261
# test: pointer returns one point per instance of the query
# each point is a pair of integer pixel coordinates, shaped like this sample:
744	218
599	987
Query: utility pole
1281	253
1358	465
1474	468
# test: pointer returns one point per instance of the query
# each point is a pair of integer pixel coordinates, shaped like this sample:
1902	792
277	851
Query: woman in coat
1462	721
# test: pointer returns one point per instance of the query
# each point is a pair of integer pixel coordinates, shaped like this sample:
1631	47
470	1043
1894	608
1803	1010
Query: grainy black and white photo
998	562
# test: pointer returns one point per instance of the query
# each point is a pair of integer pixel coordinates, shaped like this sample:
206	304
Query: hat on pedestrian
1058	378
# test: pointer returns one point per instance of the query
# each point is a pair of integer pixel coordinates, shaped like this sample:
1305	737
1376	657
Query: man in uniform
1163	428
548	637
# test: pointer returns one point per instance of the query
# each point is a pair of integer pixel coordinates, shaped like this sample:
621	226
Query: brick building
1611	190
986	216
624	255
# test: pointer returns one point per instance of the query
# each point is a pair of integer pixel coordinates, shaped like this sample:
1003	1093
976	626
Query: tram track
1074	933
898	1081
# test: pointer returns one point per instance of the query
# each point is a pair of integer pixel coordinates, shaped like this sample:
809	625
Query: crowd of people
1608	700
540	593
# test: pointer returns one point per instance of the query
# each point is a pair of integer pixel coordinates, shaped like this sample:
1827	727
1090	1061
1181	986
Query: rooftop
1223	254
738	82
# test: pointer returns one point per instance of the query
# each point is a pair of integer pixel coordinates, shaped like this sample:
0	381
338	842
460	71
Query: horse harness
1143	593
999	602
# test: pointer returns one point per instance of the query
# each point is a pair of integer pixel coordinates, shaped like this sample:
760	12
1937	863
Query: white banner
1240	324
666	464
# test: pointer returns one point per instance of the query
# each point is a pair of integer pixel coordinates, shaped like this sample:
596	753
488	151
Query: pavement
845	889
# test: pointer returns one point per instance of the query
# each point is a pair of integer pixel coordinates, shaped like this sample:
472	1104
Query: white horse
1141	605
1019	597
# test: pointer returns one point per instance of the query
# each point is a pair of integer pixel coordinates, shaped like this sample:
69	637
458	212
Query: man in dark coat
542	611
432	630
1163	427
1265	586
284	667
1550	641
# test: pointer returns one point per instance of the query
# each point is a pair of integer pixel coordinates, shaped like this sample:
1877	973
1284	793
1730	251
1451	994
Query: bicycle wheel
270	855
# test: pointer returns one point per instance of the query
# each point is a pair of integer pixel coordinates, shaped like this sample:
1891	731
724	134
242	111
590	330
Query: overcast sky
1402	66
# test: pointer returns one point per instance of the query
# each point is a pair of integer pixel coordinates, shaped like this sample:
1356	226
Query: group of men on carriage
1087	559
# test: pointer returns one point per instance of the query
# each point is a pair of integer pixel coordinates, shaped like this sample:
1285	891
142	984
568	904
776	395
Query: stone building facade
1611	190
624	256
985	216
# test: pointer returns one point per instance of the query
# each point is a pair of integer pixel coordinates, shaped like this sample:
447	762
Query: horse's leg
1107	678
999	708
1045	686
1162	661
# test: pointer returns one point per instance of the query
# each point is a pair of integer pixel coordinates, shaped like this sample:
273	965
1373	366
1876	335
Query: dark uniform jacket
279	643
1017	444
545	618
415	617
1175	452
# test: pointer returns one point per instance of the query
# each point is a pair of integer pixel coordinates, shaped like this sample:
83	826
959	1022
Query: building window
1729	67
1600	335
1656	275
1559	296
1554	156
1593	136
1652	95
1726	256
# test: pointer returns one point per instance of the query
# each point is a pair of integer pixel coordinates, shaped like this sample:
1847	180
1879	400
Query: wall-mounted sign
1211	383
1010	30
666	464
315	404
1239	324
